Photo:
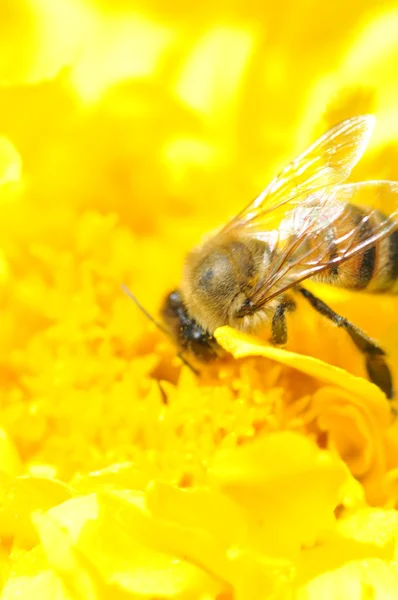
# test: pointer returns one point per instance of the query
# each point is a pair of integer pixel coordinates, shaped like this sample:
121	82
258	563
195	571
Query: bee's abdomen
392	282
376	268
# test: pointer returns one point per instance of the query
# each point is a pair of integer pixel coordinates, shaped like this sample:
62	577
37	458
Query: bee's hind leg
380	374
279	327
376	366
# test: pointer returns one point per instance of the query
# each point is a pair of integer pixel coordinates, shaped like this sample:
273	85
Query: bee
306	225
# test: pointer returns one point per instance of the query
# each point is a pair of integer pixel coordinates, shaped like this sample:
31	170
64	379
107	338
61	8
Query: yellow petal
288	485
372	526
202	525
198	508
353	495
117	476
357	580
196	544
21	497
255	572
74	514
43	586
120	541
367	534
64	559
10	461
240	345
32	579
10	162
211	530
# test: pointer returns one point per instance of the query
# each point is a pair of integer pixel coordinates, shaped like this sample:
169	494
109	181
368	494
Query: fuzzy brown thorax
217	277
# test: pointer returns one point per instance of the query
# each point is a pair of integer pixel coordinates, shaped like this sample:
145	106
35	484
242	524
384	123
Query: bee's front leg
279	327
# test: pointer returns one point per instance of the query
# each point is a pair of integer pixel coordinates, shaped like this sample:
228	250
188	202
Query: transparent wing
327	162
323	231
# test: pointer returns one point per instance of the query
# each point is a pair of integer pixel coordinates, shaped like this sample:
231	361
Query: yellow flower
127	131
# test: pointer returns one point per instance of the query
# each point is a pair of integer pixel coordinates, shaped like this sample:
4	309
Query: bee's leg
380	374
376	365
279	328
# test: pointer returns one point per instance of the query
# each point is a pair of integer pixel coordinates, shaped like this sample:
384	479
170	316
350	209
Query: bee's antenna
143	310
187	363
157	324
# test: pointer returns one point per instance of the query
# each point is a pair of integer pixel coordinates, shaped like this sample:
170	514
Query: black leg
279	329
380	374
377	368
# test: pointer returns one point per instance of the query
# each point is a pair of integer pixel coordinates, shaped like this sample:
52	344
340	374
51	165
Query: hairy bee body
220	275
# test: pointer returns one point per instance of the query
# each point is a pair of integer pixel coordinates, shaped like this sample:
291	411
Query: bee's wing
326	162
303	246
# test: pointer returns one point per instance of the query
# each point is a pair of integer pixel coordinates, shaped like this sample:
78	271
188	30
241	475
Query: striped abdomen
373	270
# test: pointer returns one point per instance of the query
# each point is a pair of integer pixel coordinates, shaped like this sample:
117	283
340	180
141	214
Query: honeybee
306	224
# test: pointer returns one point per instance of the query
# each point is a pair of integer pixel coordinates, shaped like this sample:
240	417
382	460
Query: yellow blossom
129	130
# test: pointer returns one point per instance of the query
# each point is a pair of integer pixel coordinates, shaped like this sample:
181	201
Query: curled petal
240	345
357	430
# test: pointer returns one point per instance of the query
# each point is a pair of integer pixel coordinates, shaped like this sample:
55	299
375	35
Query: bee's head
187	333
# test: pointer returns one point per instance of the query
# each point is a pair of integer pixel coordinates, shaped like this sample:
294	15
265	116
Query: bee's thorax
218	277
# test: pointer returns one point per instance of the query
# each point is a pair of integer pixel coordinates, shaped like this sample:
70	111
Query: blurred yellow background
158	109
